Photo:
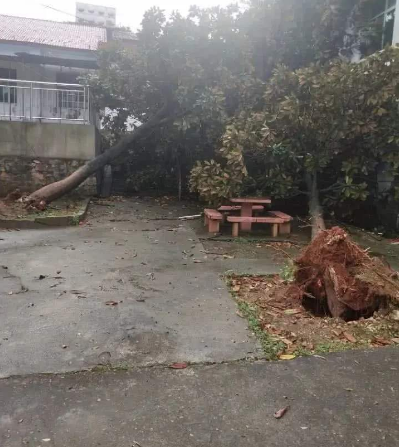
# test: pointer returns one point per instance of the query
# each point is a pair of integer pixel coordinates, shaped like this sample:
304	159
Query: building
47	124
95	14
382	16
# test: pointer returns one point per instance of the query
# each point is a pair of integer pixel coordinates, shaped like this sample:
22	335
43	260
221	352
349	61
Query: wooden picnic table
246	207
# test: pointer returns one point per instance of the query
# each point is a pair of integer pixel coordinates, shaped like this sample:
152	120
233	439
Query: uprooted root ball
336	274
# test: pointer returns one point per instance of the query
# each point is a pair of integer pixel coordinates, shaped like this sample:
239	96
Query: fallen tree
40	198
335	274
200	64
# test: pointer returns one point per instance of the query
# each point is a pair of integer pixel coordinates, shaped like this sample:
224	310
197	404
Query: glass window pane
375	7
391	3
9	93
388	30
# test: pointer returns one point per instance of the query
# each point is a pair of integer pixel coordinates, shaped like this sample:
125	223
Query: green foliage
271	346
288	271
253	90
339	121
75	220
215	182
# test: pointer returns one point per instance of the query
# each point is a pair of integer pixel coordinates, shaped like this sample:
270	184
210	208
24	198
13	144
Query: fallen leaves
287	356
293	311
349	337
182	365
381	341
111	303
281	413
302	332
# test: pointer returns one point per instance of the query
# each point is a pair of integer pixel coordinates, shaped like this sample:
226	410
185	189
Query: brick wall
29	174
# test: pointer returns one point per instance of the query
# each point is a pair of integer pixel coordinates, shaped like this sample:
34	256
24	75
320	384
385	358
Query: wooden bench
284	228
212	219
225	208
237	220
280	222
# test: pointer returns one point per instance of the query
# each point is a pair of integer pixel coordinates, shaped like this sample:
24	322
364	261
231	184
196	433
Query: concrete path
347	400
134	292
170	303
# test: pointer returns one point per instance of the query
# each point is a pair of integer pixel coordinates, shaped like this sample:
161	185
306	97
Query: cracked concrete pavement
134	292
349	399
128	288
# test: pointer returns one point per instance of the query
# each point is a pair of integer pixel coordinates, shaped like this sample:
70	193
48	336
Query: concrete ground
170	304
132	292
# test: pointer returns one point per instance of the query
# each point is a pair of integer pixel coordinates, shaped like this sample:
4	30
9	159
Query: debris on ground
183	365
193	217
336	273
337	297
13	206
280	413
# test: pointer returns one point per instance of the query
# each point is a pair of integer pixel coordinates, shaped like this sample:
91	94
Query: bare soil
311	331
15	210
277	251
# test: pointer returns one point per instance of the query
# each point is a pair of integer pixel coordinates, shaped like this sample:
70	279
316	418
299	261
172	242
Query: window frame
387	9
8	95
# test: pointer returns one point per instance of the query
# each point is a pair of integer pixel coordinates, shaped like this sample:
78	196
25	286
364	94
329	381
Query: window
69	100
8	94
381	14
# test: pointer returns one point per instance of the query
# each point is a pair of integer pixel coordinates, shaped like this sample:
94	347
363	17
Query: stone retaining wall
29	174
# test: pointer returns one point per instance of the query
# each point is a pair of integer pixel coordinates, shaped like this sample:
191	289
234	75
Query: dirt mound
336	274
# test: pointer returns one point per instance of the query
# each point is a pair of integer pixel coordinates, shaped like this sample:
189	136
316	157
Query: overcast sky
129	12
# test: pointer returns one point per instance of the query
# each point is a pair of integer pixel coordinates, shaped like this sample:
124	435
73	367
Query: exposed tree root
337	274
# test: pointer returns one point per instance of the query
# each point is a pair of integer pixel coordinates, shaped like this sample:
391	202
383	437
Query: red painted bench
238	208
226	209
212	219
284	228
277	219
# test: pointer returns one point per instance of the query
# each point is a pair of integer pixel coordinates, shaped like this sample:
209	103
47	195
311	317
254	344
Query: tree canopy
258	97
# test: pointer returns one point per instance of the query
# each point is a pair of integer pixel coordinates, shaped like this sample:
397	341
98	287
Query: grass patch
283	326
110	368
63	208
288	271
75	220
333	346
270	345
324	348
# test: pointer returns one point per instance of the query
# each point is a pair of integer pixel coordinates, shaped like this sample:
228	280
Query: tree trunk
315	209
58	189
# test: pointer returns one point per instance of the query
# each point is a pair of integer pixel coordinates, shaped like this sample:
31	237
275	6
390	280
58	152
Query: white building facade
384	15
95	14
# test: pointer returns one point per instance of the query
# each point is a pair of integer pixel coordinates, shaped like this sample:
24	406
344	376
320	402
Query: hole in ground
319	308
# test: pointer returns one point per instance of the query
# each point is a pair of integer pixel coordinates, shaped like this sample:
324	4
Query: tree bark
55	190
315	209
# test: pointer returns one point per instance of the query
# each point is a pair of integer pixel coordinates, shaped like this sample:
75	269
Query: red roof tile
46	32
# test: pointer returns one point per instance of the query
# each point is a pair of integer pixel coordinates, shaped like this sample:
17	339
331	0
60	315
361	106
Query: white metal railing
44	101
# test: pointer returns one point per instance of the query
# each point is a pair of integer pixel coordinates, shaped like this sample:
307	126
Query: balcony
45	102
